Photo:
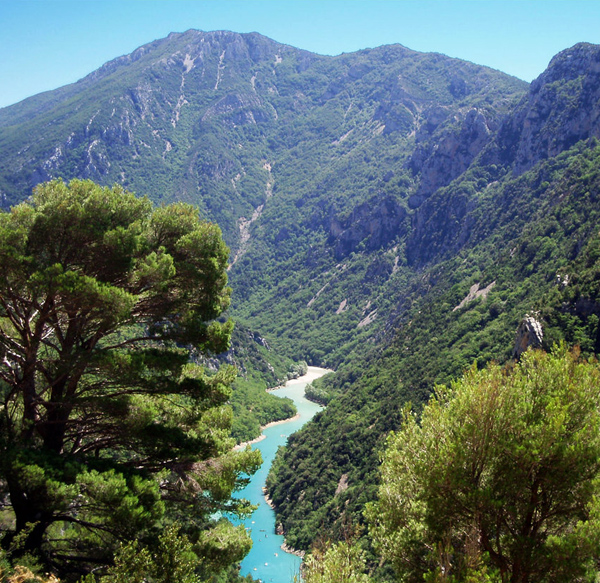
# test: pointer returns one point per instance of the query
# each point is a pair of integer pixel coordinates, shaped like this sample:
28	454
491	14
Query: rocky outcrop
529	335
474	293
236	109
445	150
342	484
374	223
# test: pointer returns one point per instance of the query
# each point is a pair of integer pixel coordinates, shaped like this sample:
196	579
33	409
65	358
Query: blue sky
45	44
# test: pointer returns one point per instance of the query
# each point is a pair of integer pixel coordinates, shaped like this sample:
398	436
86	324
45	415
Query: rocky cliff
560	109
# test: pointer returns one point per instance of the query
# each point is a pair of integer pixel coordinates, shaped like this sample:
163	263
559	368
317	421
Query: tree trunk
31	521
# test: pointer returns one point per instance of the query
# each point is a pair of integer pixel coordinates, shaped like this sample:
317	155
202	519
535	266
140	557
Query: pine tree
107	431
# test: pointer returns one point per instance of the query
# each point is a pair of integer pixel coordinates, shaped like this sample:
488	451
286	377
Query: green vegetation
536	237
259	368
253	407
108	433
333	563
499	479
393	215
496	480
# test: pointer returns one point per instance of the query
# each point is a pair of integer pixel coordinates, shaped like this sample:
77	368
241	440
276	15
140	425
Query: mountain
313	166
392	214
505	256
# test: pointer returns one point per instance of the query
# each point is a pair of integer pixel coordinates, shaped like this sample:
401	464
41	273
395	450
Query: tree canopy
499	480
334	563
108	430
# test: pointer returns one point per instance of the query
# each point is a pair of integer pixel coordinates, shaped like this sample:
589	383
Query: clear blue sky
45	44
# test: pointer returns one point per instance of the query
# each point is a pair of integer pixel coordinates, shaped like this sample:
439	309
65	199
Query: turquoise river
266	561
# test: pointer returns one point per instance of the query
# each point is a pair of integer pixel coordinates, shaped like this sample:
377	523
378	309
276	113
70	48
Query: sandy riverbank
313	372
262	428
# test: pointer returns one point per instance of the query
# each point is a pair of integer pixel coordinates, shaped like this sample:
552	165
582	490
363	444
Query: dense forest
409	220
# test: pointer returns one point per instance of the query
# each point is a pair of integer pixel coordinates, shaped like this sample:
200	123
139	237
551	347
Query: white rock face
529	334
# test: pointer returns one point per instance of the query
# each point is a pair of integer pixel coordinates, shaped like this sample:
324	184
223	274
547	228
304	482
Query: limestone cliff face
529	335
445	151
561	108
374	223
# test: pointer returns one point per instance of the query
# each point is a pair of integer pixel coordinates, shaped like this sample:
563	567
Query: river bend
266	561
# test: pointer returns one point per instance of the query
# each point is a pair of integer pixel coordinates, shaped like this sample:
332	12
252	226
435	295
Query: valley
392	215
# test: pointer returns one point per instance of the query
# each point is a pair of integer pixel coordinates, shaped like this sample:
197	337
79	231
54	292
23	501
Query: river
266	561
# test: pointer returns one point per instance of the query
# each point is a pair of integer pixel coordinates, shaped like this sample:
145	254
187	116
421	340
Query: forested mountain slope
515	235
392	214
313	166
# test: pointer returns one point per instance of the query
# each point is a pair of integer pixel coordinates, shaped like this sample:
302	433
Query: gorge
367	200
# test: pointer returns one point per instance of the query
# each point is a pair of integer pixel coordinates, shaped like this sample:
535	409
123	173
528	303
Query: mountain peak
580	59
196	43
561	108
